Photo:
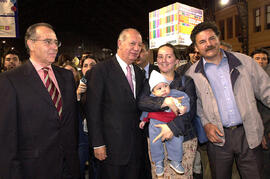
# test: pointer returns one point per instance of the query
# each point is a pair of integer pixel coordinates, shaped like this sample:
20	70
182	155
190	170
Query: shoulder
182	78
243	58
62	71
18	72
105	64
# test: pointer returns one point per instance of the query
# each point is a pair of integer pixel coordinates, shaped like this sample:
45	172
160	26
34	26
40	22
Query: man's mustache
210	48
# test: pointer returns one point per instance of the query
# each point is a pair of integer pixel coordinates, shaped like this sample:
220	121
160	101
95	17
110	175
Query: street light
224	2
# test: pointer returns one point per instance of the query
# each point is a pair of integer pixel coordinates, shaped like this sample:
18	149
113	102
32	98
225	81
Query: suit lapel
33	79
121	75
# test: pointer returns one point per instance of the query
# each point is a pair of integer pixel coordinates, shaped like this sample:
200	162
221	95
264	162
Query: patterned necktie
54	93
129	78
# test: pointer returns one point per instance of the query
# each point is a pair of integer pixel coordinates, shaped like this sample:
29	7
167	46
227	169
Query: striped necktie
54	93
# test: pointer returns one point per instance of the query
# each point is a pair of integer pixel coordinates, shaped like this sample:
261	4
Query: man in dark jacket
261	56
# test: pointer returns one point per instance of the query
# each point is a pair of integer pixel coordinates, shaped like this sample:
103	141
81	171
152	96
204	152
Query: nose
54	45
137	47
163	89
208	43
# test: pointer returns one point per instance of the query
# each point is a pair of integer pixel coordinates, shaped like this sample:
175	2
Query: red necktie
129	78
54	93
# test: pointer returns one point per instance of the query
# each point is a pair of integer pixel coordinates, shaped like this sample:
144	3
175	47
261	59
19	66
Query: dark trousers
66	171
129	171
249	161
266	164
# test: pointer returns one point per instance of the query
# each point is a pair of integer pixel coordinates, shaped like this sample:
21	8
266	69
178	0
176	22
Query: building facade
231	20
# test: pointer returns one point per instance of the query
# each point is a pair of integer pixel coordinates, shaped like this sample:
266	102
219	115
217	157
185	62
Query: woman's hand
165	133
81	89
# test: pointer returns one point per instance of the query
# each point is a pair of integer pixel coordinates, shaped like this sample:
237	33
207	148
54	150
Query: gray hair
31	32
123	34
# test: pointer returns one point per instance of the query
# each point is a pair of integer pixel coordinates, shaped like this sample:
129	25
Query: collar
146	68
121	62
233	62
37	66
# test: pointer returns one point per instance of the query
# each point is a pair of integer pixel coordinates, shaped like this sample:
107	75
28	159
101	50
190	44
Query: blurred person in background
85	151
11	60
83	56
62	59
71	66
192	55
261	56
143	60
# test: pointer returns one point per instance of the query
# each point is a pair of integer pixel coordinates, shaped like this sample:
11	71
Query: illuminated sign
173	24
8	18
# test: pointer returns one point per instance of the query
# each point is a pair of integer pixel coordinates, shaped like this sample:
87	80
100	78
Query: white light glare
224	2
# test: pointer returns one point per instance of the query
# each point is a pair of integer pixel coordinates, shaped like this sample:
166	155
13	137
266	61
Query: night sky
87	24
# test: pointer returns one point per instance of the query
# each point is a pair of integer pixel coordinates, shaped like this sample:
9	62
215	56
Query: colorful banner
8	18
173	24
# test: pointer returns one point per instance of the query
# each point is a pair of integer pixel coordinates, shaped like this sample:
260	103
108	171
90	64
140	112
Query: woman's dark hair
201	27
170	46
88	56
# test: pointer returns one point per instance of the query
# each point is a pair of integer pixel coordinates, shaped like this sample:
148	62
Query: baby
159	87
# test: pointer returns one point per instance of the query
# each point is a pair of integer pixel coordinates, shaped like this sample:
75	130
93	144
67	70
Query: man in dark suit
113	117
143	60
38	135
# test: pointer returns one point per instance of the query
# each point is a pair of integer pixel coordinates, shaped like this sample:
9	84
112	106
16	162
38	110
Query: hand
212	131
183	110
100	153
170	103
264	143
141	125
81	89
165	133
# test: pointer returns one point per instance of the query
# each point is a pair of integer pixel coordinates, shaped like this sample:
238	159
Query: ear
177	61
195	46
119	42
30	44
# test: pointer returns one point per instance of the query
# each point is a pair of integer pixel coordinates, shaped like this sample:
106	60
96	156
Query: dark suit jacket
33	140
113	117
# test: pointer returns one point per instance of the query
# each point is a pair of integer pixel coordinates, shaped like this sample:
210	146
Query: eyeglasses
49	42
